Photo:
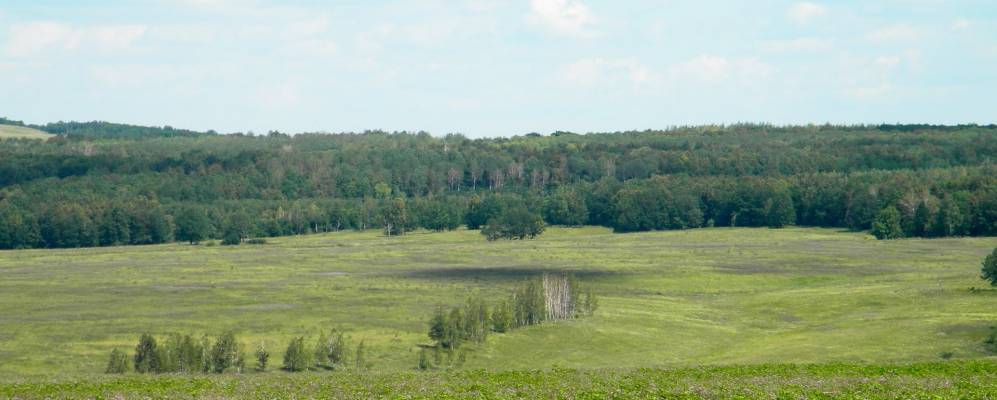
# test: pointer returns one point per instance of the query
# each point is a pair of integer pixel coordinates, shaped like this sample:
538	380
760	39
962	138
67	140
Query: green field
668	299
13	131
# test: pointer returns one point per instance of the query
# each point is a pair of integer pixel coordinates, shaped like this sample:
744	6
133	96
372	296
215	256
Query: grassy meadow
13	131
672	299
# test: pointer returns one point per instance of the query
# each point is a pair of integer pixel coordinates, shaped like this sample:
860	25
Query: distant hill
14	131
98	129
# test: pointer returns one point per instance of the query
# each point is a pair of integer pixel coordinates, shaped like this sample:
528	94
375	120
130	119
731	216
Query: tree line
104	190
186	354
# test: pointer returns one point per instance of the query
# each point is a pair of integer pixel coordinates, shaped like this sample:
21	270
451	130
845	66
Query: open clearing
13	131
668	299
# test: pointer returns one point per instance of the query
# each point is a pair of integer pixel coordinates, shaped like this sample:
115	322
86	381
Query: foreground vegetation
673	299
953	379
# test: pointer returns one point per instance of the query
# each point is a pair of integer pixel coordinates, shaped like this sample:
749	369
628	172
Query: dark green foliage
296	357
192	225
72	192
514	223
780	209
226	354
236	228
424	363
990	268
887	224
146	357
565	207
117	363
18	228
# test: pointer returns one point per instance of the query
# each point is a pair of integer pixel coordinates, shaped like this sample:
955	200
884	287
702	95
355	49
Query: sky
496	68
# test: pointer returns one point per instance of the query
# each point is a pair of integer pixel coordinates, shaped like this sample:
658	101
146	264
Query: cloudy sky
488	68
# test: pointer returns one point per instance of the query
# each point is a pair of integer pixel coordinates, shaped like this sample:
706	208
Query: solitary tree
990	268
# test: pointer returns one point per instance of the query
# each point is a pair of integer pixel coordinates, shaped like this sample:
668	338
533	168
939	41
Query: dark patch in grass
511	273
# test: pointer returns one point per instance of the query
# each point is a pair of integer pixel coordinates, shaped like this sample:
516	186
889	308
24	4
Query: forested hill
104	184
101	129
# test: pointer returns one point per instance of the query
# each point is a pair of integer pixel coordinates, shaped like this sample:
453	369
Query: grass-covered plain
668	299
14	131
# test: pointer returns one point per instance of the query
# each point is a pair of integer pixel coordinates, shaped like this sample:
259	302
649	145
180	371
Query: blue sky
490	68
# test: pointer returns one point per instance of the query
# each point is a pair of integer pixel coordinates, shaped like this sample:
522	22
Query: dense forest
99	183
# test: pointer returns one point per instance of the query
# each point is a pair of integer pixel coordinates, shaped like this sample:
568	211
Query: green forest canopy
99	183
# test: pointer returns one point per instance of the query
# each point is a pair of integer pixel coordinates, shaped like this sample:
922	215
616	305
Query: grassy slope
672	299
13	131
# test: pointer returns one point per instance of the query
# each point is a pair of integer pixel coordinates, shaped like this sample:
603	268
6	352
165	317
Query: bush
117	363
256	241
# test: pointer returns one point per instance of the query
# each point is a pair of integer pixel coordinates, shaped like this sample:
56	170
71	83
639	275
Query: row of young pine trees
185	354
551	297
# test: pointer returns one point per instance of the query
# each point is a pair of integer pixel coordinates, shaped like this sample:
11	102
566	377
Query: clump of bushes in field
184	354
546	298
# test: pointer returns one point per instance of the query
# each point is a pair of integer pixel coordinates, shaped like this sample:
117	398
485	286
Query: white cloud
804	12
895	33
39	37
564	17
709	68
871	92
798	45
887	61
593	71
960	24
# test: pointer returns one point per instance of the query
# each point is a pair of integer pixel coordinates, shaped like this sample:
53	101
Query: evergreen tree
322	350
146	357
887	224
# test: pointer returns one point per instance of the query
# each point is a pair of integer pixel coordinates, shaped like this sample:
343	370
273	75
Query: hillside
14	131
667	299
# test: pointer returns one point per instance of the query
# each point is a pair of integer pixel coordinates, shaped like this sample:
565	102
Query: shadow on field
500	273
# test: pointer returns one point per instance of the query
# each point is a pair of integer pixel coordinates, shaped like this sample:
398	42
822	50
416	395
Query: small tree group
330	352
550	297
514	223
182	354
990	268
